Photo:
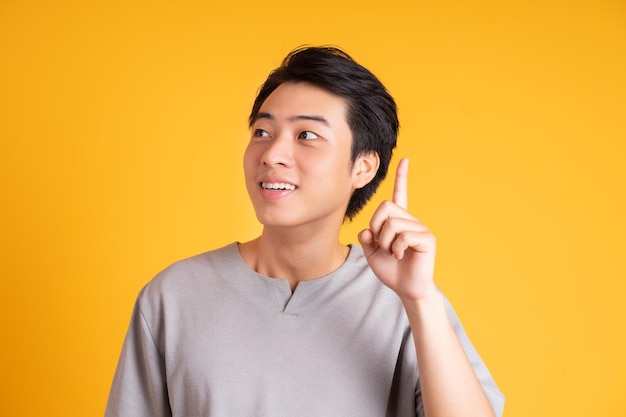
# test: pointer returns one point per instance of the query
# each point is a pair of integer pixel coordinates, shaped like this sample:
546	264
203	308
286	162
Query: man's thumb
366	239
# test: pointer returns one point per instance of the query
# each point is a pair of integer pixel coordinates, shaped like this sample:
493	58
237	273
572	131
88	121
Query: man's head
372	113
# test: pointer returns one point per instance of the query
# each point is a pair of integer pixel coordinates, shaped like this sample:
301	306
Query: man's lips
276	183
277	186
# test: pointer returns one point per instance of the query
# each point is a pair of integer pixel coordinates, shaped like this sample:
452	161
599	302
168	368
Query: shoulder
189	275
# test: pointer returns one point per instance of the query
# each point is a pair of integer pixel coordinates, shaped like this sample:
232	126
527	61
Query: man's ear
364	169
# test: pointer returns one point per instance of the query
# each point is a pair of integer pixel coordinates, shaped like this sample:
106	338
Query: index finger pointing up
400	189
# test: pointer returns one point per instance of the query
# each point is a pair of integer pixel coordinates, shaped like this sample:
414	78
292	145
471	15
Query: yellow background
122	127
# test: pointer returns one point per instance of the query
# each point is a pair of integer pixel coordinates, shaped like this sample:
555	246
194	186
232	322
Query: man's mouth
277	186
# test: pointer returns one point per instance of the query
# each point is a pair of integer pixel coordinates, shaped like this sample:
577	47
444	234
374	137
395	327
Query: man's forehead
303	101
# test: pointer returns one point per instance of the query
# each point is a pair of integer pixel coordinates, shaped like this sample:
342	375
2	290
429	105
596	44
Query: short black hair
372	113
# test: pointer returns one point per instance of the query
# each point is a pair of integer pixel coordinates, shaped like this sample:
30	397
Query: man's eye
260	133
307	135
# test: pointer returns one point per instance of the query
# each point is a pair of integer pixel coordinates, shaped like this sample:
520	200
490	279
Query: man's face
297	165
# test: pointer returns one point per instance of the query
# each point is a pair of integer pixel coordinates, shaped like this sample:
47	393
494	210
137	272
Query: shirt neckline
291	303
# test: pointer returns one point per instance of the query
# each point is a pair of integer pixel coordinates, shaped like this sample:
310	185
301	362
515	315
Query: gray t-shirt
211	337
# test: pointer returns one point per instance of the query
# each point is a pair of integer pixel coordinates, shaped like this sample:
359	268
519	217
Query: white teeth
277	186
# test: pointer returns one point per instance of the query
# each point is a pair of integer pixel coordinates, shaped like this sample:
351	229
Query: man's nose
279	151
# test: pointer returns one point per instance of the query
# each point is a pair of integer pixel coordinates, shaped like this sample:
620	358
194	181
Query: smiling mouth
278	186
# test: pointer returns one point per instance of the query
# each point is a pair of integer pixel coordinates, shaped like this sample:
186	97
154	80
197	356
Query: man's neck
294	256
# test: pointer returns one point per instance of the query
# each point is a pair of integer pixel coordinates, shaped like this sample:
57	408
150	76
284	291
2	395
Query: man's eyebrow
264	115
315	118
310	117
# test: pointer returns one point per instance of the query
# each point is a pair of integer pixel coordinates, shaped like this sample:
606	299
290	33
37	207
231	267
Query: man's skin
300	178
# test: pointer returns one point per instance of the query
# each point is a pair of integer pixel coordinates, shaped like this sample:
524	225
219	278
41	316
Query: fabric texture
211	337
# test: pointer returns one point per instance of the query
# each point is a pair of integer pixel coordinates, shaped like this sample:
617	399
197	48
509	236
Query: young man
293	323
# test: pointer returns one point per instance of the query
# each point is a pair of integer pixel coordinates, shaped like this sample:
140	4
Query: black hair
372	112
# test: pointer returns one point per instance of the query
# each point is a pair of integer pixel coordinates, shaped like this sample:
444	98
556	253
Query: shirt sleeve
139	387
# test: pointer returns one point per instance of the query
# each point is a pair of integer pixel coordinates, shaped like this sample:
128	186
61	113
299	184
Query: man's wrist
425	300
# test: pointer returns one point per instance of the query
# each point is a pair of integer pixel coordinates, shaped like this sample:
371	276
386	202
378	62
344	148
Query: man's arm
401	252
